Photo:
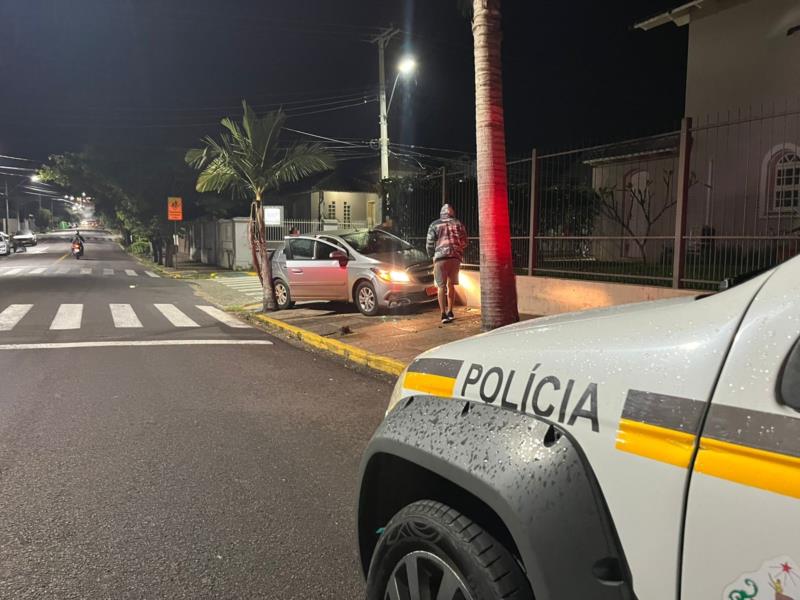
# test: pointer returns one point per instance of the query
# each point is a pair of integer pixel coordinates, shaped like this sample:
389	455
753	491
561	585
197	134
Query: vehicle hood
672	344
399	259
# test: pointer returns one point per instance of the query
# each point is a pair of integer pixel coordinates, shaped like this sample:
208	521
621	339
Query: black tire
366	299
283	301
485	569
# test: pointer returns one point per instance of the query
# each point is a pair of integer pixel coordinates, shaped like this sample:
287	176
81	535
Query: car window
324	250
333	241
375	241
302	249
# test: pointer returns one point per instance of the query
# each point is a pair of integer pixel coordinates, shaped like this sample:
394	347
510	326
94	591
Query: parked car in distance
369	267
25	238
5	244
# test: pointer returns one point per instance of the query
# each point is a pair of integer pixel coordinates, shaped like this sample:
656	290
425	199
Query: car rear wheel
366	299
282	295
429	550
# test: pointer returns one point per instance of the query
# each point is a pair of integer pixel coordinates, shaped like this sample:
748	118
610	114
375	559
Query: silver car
370	267
5	244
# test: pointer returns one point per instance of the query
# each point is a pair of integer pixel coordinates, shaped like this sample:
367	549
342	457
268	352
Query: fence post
682	197
444	186
533	226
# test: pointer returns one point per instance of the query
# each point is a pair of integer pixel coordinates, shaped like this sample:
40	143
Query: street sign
273	215
174	209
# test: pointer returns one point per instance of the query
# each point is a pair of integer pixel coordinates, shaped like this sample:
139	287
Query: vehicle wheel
282	295
366	299
34	243
429	550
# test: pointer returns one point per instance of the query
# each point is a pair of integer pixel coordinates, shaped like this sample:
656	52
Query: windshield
375	241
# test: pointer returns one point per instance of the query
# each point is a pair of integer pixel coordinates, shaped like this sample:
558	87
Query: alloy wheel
366	298
281	294
421	575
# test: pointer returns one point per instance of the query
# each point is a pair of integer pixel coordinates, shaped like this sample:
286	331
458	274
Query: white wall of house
741	57
344	206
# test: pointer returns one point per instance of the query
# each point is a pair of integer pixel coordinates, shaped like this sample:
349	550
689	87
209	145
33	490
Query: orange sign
174	209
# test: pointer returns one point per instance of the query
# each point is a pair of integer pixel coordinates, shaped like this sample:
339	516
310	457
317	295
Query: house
743	99
335	196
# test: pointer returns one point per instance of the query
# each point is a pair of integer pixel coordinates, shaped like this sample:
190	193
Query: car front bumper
393	295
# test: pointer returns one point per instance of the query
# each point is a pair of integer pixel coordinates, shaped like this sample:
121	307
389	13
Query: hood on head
447	211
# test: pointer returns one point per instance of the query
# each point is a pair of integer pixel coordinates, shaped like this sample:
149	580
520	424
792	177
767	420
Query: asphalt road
141	458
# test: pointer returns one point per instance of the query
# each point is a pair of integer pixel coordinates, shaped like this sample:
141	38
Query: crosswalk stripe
86	271
37	270
68	317
11	272
151	274
131	273
108	271
123	316
174	315
12	315
223	317
63	270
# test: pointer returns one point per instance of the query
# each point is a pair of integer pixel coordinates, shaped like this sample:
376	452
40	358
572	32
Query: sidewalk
184	269
387	343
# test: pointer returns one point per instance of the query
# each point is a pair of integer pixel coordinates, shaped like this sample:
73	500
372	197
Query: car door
742	527
299	256
329	276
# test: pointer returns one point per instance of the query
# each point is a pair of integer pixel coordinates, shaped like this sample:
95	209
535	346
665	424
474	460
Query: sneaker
445	318
450	317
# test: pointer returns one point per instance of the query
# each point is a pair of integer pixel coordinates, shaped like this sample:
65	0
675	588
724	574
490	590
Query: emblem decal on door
777	579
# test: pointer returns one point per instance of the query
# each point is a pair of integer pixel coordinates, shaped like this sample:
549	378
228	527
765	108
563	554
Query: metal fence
685	209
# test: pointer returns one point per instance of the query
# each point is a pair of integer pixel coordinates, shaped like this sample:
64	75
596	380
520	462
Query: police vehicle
648	451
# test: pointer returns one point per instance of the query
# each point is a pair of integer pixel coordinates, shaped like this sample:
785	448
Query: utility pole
5	181
382	40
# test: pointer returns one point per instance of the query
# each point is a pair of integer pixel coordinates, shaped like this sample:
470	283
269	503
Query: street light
405	68
35	178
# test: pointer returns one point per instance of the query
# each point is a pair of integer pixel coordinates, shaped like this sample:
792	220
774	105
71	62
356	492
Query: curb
170	274
352	353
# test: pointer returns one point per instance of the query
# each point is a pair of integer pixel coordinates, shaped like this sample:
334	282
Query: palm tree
248	159
498	285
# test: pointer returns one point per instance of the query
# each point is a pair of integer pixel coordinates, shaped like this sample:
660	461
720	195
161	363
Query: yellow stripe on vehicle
657	443
771	471
435	385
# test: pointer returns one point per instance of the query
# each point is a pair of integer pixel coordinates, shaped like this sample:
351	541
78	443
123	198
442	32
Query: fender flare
530	472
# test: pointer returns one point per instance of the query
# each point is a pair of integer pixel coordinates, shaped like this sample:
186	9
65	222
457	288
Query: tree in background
248	159
498	284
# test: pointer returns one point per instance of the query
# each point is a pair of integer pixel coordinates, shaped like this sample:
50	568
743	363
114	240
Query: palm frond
301	161
218	176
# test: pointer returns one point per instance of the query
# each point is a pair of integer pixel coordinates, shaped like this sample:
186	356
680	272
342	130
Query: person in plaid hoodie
447	239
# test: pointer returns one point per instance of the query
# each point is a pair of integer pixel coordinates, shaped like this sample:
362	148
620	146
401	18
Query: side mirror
339	255
789	382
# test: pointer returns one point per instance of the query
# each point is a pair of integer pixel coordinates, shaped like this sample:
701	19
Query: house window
332	209
347	214
786	190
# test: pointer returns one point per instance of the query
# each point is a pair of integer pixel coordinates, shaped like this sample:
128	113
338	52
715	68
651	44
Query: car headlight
397	392
392	276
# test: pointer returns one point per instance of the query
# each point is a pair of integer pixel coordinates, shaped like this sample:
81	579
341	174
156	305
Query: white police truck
648	451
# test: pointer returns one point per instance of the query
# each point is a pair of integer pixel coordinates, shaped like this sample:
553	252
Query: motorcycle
77	250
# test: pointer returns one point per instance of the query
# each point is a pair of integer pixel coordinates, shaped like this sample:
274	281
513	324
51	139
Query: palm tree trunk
498	284
265	267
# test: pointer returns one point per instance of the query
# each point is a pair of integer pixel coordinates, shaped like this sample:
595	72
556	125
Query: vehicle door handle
300	271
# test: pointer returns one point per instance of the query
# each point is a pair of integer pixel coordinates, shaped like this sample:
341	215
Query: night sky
162	72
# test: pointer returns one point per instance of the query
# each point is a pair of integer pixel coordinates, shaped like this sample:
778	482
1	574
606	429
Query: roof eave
680	16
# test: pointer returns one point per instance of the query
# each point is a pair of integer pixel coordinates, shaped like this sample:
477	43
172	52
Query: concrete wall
741	57
549	295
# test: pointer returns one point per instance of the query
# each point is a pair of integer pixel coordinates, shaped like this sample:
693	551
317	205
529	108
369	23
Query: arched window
786	182
780	180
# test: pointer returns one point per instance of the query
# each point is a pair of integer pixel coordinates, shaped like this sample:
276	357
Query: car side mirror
339	255
789	382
